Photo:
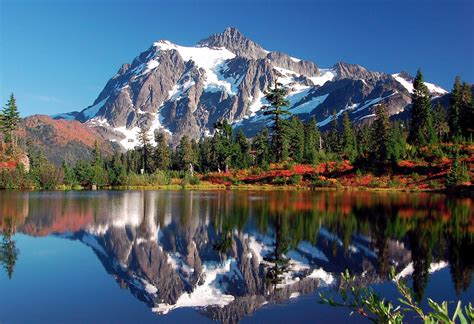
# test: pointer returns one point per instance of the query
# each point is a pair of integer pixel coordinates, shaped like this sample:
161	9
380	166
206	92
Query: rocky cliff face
181	90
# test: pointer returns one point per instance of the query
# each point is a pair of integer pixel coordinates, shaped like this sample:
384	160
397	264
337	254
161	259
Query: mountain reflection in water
228	253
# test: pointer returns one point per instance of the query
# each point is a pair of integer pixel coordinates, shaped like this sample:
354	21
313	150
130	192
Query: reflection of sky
57	279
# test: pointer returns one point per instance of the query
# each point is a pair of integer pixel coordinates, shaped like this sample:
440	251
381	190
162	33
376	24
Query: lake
229	256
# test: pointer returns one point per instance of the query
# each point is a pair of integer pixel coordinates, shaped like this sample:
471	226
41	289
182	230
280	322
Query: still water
180	256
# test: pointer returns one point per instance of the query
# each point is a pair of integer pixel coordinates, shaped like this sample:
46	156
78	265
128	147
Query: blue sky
56	56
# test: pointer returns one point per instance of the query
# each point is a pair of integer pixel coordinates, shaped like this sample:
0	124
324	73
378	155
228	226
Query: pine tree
185	154
145	148
454	116
296	139
348	138
277	109
333	139
311	141
10	118
99	175
241	155
421	125
467	111
161	154
440	123
224	140
380	134
262	148
397	142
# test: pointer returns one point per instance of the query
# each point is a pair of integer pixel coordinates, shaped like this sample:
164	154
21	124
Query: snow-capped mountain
181	90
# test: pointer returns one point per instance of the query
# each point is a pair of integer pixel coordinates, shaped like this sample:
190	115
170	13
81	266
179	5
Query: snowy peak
406	80
232	39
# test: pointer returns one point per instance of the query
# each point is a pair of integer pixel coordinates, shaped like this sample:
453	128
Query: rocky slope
181	90
63	140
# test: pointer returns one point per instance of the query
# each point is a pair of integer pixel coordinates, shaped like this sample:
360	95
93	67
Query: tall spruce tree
381	134
440	122
348	138
454	113
10	118
277	109
145	148
262	148
296	139
241	154
467	111
185	155
161	154
421	124
311	141
224	140
333	136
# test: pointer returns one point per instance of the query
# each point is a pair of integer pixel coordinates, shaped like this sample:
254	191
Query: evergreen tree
364	140
206	155
277	109
296	139
117	173
224	140
440	123
311	141
10	118
467	111
421	125
262	148
397	142
333	139
454	116
185	154
144	148
241	155
348	138
99	174
381	134
161	154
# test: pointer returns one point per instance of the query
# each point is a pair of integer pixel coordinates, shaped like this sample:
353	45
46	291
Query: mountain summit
181	90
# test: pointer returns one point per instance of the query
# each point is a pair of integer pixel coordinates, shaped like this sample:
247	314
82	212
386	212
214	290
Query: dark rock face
184	90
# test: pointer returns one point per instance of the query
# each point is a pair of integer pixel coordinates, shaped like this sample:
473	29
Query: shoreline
263	187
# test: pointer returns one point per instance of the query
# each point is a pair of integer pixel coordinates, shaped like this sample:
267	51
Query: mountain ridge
181	90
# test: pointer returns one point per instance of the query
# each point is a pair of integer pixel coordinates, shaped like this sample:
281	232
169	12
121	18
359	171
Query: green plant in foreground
367	303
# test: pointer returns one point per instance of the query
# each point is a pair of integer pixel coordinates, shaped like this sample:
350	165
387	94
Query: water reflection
228	253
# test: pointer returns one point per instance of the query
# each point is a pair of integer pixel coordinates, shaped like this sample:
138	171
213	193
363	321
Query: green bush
160	178
295	179
279	181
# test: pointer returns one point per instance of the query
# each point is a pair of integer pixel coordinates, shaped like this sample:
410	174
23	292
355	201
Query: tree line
378	145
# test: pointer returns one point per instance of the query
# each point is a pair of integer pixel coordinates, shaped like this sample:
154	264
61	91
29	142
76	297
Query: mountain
63	140
181	90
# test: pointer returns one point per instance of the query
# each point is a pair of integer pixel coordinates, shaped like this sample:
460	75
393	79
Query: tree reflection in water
258	246
8	250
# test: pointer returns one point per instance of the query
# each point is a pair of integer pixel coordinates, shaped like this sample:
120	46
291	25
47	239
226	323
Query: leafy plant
365	302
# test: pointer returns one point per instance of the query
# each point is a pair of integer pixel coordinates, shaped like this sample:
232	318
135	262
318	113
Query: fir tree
333	139
161	154
185	154
467	111
311	140
262	148
10	118
348	138
454	116
296	139
224	140
440	123
241	154
277	109
380	134
145	148
421	124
